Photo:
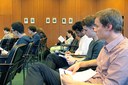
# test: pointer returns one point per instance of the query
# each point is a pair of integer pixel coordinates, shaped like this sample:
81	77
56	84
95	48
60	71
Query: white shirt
83	45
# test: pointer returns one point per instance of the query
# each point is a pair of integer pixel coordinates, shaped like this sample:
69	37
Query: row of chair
18	59
14	63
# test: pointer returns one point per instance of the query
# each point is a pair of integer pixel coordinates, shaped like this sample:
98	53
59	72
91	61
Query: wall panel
16	10
86	7
5	15
103	4
67	10
5	7
126	18
51	10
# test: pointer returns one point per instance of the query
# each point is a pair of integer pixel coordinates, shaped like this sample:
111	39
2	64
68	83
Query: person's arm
78	65
88	63
72	60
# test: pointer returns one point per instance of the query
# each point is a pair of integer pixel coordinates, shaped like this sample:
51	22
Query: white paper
79	76
3	51
63	56
61	39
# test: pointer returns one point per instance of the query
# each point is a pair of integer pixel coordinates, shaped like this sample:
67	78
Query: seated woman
67	41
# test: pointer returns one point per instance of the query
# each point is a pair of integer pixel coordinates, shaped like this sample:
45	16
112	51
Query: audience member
35	38
68	41
84	40
41	33
18	31
7	33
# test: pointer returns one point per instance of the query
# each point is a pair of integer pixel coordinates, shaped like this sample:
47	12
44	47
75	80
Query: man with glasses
18	31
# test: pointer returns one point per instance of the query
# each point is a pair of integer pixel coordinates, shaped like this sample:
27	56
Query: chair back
12	65
28	53
3	43
10	43
43	44
28	49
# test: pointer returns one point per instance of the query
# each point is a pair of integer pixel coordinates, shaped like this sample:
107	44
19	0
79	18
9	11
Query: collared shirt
113	63
83	45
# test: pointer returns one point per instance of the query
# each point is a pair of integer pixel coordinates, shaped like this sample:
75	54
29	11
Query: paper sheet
61	39
79	76
3	51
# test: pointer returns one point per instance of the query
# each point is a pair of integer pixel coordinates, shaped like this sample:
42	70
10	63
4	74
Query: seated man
95	46
112	67
35	38
41	33
18	31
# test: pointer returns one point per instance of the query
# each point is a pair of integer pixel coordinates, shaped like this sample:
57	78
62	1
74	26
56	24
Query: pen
64	72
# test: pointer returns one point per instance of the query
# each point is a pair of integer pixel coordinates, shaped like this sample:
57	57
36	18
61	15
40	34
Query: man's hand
67	79
67	52
70	60
74	67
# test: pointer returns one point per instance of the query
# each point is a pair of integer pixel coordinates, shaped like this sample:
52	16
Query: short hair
111	16
71	32
18	26
32	28
77	26
88	21
7	29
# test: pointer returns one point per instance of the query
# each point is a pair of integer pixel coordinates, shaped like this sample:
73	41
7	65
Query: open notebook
79	76
61	39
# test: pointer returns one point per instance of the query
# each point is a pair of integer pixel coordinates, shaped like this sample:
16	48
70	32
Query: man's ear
109	26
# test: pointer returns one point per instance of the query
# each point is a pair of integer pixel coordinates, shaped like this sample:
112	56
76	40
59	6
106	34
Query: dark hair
77	26
71	32
32	28
111	16
88	21
18	26
6	29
